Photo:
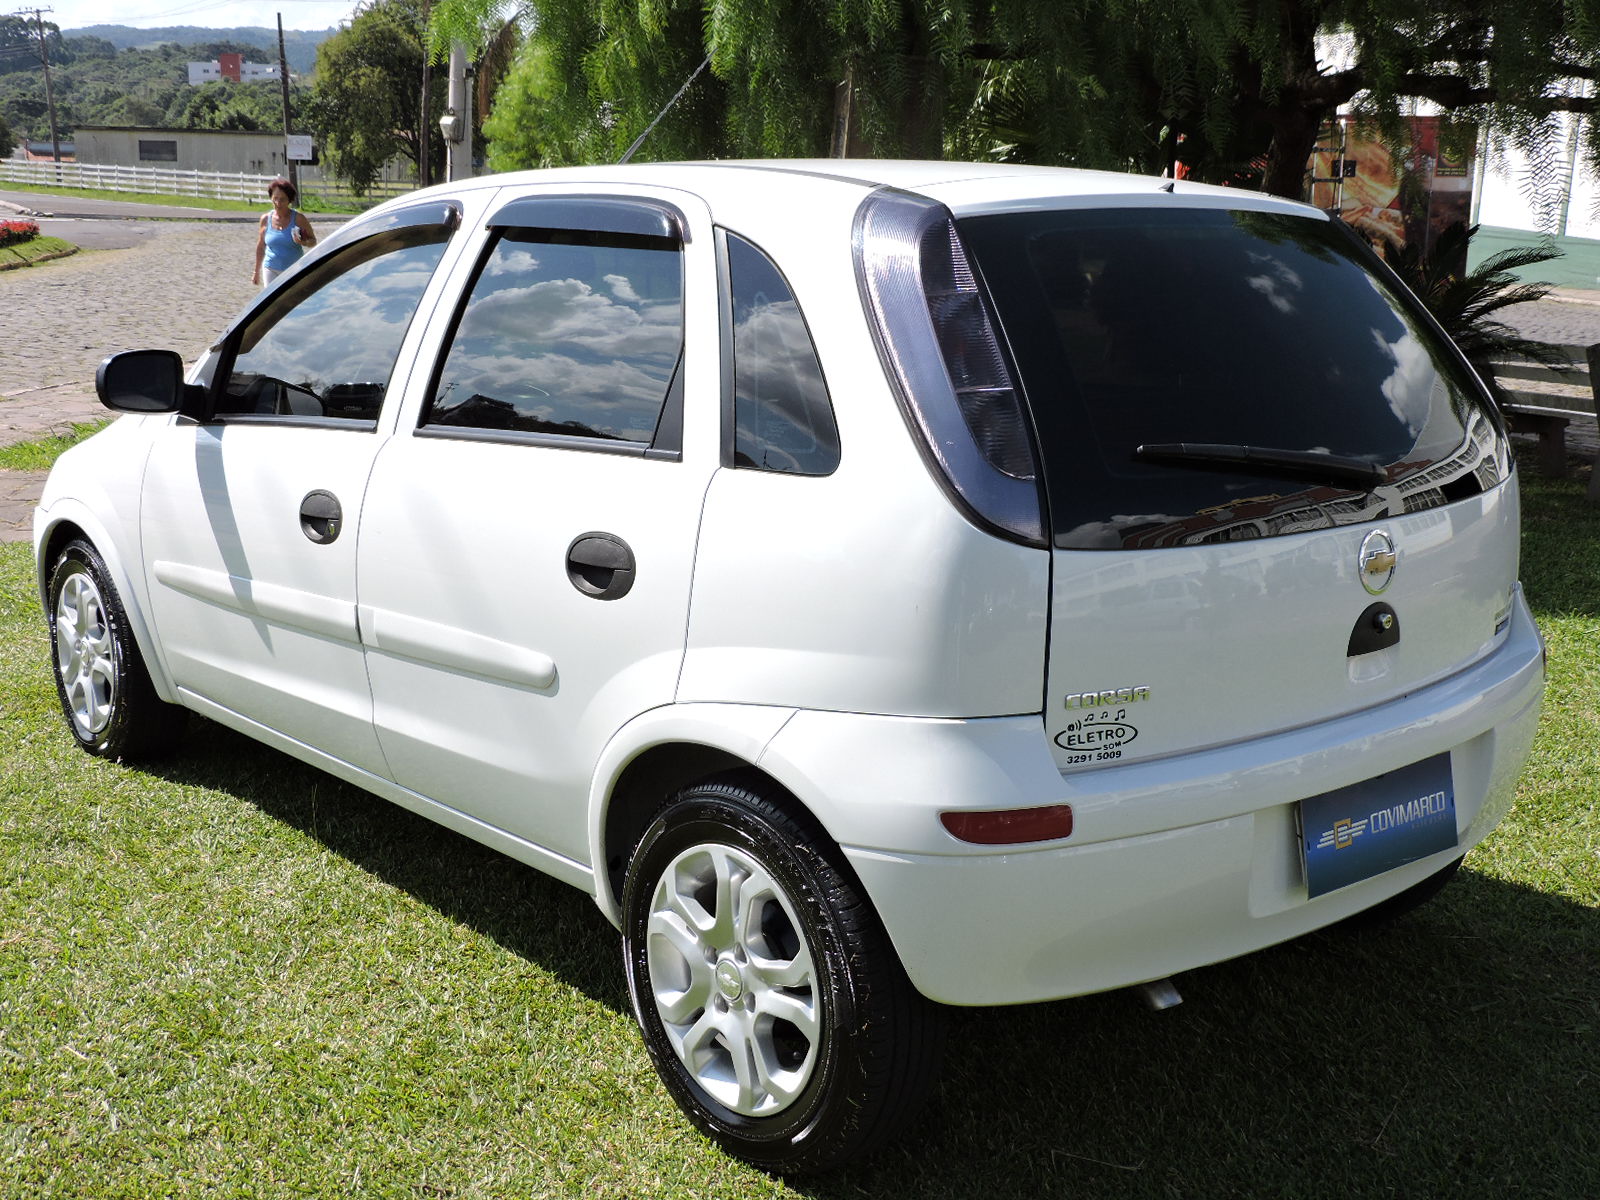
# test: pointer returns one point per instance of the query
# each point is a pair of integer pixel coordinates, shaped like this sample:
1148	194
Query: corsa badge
1377	561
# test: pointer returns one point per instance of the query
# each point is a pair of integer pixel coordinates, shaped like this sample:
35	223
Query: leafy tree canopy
1236	89
367	99
96	84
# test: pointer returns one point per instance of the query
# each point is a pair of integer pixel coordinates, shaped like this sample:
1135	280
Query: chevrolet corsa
881	586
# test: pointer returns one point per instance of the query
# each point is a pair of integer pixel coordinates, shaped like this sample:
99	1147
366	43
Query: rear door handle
321	517
600	565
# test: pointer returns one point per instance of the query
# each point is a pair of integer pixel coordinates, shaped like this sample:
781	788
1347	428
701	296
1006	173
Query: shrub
13	233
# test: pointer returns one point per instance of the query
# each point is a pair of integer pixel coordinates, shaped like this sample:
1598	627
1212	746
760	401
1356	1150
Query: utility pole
456	124
49	94
290	164
424	163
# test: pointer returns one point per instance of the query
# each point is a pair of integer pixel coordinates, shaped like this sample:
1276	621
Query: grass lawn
312	203
33	250
41	454
231	976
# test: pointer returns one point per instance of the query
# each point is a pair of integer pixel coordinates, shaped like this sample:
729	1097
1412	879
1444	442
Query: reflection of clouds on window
348	330
576	339
1280	284
612	397
622	289
512	262
1409	387
778	368
569	310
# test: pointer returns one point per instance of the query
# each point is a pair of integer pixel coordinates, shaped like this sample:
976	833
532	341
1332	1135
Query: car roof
965	187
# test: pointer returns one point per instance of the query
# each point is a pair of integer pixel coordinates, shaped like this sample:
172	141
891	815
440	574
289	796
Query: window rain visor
936	337
1200	375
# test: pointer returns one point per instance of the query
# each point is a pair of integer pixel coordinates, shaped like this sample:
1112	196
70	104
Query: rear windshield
1206	376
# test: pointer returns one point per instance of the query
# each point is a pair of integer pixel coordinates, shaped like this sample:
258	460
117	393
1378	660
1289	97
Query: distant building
246	152
231	68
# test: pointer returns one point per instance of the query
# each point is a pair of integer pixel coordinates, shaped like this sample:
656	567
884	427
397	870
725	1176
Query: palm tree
1464	302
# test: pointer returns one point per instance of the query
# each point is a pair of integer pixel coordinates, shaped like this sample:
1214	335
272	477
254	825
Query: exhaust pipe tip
1159	994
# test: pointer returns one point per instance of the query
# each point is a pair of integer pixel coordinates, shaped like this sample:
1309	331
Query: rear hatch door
1276	493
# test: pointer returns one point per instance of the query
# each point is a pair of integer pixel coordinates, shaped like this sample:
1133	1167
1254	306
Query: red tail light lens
1010	826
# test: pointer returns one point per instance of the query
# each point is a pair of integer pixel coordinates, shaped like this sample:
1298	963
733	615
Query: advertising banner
1356	174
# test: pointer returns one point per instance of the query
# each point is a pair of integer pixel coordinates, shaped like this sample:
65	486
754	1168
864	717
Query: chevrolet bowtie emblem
1377	561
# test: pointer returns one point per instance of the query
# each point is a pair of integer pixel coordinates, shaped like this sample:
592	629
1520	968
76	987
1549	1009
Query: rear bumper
1172	864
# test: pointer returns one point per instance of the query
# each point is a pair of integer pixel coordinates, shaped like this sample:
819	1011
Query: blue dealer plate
1376	825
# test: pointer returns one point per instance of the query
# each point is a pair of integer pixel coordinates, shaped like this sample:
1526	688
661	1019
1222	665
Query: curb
43	258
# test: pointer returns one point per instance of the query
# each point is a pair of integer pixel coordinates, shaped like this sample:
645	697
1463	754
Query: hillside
115	75
299	45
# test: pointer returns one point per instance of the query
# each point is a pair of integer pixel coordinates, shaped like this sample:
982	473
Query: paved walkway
176	288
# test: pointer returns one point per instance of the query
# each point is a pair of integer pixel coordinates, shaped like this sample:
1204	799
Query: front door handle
321	517
600	565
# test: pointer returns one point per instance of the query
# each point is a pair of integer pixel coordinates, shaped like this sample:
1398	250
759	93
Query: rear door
529	536
1276	495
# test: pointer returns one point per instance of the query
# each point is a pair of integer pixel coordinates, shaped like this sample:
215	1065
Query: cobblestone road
176	289
58	321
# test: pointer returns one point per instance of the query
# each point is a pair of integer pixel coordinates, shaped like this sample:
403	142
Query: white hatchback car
875	583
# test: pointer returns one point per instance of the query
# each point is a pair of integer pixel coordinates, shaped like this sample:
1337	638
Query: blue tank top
282	250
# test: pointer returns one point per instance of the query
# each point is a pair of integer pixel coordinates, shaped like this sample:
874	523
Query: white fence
221	185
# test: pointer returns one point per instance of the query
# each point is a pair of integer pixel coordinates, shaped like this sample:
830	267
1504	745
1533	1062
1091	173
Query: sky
148	14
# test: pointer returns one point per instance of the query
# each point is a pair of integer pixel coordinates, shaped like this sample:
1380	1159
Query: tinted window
783	420
326	343
1190	333
566	334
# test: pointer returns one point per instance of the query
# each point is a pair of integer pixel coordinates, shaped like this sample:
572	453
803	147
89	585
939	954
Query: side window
570	334
326	343
783	419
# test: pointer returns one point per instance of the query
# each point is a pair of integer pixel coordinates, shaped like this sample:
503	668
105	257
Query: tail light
938	344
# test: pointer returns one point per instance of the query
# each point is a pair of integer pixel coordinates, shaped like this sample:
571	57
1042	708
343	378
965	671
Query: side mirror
142	381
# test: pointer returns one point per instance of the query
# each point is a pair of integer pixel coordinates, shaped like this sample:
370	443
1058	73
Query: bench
1546	400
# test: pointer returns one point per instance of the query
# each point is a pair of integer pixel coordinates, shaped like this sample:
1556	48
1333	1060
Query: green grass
231	976
309	201
27	253
41	454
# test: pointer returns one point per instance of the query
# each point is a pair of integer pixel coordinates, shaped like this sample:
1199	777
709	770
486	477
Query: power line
44	57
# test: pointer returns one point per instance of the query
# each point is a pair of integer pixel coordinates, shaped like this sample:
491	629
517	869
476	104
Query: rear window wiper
1265	460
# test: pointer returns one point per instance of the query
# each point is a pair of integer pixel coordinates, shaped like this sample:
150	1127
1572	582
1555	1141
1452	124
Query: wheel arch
68	521
660	753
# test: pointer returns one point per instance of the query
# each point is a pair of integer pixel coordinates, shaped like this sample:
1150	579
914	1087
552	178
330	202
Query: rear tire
105	690
771	1000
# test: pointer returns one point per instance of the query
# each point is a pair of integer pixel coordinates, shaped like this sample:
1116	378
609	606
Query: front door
250	517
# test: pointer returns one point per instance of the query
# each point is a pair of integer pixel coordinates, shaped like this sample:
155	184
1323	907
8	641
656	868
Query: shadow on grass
1456	1052
530	914
1560	542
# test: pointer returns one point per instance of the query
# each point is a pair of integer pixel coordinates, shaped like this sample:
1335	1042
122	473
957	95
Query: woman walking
284	234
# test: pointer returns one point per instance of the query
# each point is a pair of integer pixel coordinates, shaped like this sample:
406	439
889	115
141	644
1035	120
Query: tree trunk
1294	135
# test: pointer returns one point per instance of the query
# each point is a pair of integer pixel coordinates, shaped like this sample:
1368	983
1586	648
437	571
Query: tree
8	140
19	43
222	105
1238	90
366	99
1467	303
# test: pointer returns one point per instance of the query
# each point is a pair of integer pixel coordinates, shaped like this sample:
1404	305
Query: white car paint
853	635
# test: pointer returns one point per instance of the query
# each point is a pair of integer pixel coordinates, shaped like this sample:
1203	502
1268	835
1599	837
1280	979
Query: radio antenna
639	141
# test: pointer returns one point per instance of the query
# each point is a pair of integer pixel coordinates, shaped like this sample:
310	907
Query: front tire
771	1000
105	690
